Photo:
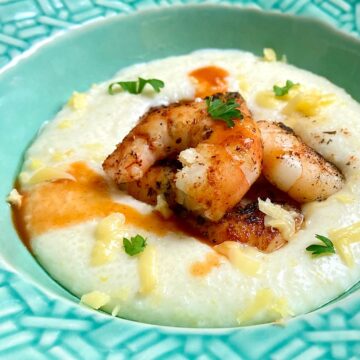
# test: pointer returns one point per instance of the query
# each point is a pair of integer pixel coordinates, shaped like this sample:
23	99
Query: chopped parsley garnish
136	87
284	90
135	245
225	111
328	248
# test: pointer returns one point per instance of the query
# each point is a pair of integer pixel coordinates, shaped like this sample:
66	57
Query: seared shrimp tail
294	167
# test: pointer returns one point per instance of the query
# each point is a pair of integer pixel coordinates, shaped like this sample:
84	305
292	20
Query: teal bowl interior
33	89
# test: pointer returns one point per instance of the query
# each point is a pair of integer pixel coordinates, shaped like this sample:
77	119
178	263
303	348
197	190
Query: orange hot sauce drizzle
209	80
202	268
57	204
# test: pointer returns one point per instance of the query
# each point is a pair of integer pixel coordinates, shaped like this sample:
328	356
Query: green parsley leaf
225	111
135	245
328	248
281	91
136	87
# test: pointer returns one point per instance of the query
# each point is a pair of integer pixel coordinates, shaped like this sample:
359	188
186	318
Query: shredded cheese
265	301
58	156
279	218
147	270
343	238
49	174
240	256
269	54
344	198
243	83
65	124
308	103
95	299
78	101
115	311
108	239
266	99
35	164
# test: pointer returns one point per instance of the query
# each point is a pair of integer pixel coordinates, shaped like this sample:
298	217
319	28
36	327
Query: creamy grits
76	218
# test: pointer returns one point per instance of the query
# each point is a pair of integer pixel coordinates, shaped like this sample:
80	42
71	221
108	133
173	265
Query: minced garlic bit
269	54
308	103
95	299
147	270
163	207
240	256
279	218
49	174
108	239
78	101
265	301
14	198
342	240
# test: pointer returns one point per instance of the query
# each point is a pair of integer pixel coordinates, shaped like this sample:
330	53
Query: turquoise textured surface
36	326
24	22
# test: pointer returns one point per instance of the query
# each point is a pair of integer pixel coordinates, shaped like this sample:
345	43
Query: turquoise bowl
34	87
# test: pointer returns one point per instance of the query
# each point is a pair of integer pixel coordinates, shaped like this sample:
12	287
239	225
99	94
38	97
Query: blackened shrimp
219	163
295	168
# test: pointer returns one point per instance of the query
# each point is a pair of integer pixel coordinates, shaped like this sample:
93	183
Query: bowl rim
62	35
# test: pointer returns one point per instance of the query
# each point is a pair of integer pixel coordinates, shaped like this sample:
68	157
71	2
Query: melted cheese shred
49	174
242	257
343	238
265	301
109	235
95	299
279	218
147	266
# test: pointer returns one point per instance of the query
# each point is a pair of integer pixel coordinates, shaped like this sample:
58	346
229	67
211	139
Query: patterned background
35	326
23	22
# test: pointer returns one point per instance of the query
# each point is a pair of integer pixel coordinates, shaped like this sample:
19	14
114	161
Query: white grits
221	297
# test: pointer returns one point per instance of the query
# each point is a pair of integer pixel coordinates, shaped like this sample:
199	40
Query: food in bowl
213	189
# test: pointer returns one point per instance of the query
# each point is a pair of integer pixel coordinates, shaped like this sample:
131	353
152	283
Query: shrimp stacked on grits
219	164
213	189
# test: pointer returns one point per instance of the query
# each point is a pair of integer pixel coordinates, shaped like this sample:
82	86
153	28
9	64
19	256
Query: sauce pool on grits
212	189
65	202
209	80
